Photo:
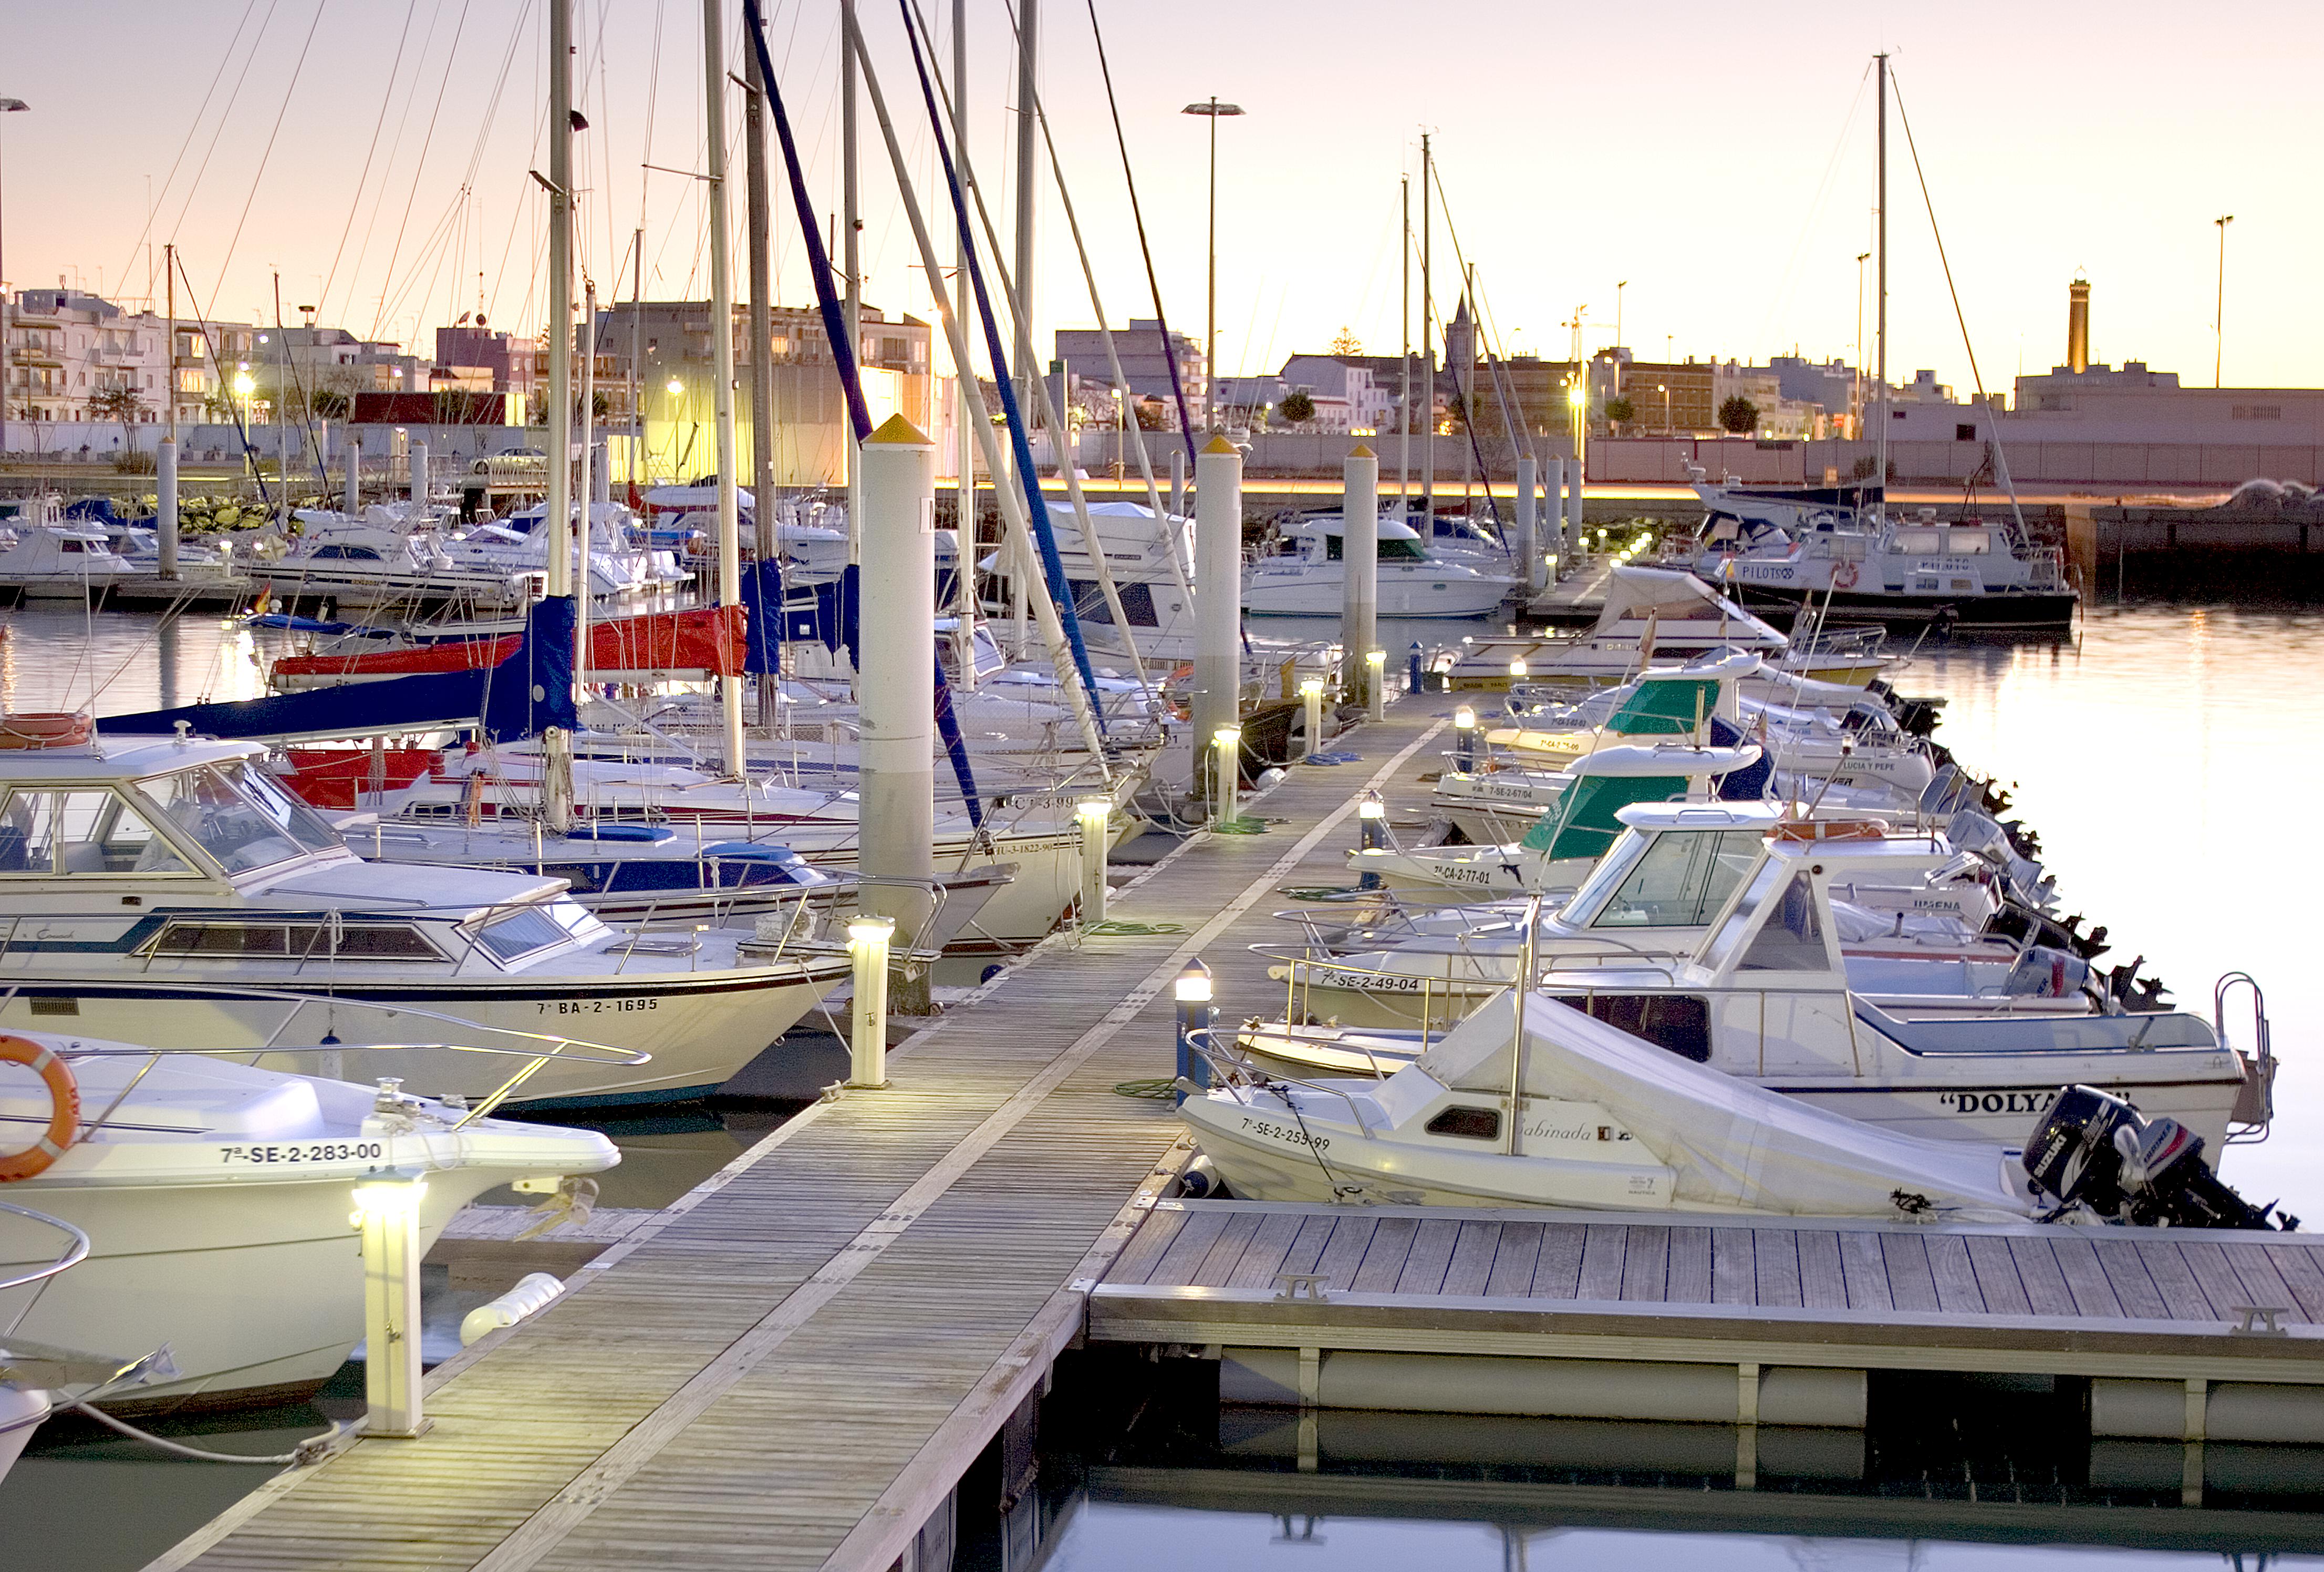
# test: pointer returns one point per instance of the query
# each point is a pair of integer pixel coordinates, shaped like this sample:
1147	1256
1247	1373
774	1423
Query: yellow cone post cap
899	431
1219	445
1360	451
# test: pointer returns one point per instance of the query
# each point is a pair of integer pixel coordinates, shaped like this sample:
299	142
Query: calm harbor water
2160	754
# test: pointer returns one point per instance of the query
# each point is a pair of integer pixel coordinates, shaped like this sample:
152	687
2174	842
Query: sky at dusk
1719	158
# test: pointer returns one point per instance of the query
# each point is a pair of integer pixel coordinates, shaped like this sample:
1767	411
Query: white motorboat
69	560
1601	1119
216	1198
1565	843
1414	581
175	888
621	576
1782	556
385	558
1654	614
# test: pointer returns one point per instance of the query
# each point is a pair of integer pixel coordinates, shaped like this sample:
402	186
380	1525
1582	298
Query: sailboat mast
1427	350
586	485
1404	354
852	307
722	361
557	767
761	328
1028	136
1880	289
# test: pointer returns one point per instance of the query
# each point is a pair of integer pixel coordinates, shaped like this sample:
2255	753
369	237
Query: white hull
21	1413
1443	589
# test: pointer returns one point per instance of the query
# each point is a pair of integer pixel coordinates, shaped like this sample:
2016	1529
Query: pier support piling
1360	560
895	544
165	504
416	473
1528	554
354	475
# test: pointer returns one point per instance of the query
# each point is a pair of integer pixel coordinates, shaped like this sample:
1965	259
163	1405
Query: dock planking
2056	1299
792	1366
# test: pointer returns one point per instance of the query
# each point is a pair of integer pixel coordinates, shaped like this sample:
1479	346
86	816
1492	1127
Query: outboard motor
2094	1149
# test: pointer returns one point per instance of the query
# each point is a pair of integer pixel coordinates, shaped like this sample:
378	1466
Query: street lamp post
1213	111
2219	310
7	106
1664	388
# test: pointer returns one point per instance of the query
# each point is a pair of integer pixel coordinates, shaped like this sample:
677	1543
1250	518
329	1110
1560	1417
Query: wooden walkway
2053	1300
792	1366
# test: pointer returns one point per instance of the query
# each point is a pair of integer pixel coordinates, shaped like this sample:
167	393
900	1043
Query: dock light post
1578	396
387	1213
2219	311
867	1044
1464	739
1372	834
1516	672
1226	766
1412	668
1095	814
1213	111
1376	684
1311	693
1193	992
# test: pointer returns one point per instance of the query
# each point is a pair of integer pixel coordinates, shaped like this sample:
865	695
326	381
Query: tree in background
1297	407
1347	343
1739	415
1619	411
118	403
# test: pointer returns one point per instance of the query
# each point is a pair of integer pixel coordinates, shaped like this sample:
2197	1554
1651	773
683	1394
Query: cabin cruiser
1655	613
1412	581
1781	555
216	1198
1148	556
72	560
1602	1119
1918	946
150	882
620	576
387	556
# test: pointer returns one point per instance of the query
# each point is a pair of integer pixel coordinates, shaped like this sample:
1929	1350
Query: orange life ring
64	1108
1844	575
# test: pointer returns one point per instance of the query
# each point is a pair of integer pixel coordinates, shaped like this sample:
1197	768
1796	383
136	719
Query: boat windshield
1684	876
240	816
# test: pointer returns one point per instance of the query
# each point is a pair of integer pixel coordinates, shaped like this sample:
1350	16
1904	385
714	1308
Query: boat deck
793	1365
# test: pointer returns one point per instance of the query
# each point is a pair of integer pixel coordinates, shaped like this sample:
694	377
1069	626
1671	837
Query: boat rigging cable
1153	280
386	97
153	207
258	171
1468	295
1053	566
2000	462
842	361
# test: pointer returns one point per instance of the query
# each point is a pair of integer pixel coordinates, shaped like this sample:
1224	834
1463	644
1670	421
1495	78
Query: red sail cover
707	639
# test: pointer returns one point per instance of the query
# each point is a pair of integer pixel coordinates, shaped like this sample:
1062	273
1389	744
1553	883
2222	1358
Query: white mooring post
354	475
165	478
895	544
1218	591
1095	817
1360	560
1226	756
1528	546
1553	497
867	1036
1310	696
1574	516
387	1211
1376	684
416	459
1177	482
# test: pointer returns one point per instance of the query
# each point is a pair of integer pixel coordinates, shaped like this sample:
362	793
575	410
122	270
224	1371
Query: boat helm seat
84	856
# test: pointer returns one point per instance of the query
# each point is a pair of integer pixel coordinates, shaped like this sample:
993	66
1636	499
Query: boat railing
2255	1109
1232	1070
72	1252
540	1048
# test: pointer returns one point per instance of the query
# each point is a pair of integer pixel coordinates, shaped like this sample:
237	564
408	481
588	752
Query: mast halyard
722	361
557	766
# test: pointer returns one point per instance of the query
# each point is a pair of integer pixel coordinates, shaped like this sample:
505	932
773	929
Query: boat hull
2024	611
21	1410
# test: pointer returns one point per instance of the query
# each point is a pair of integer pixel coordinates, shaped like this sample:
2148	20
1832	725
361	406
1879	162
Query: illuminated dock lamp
1464	739
1376	684
1191	989
868	939
1226	766
387	1214
1311	695
1371	830
1095	817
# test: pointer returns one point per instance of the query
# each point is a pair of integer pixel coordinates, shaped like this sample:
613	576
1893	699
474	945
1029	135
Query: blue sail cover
529	691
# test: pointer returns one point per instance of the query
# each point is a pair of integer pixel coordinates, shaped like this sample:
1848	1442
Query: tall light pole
7	106
2219	310
1213	111
1618	288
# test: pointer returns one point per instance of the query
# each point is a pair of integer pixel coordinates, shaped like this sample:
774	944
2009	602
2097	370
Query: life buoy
1843	576
64	1108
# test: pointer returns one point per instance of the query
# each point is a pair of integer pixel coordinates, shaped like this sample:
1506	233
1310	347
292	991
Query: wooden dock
1578	596
793	1365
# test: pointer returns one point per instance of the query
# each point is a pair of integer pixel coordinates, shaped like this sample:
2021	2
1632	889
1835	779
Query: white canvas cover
1727	1143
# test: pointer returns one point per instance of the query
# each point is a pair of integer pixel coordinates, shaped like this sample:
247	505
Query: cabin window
43	834
68	545
1684	876
1738	921
1792	939
383	941
1469	1123
1090	607
1680	1023
521	933
1401	551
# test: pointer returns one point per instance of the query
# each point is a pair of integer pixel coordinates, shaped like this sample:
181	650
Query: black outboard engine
2092	1149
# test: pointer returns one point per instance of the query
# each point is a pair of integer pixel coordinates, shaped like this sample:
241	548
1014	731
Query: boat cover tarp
1728	1142
702	639
531	689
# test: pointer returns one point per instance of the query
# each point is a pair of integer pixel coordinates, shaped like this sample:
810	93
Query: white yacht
1414	581
70	560
621	576
383	557
175	889
216	1198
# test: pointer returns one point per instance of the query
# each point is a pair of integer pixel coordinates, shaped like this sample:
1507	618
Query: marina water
2163	755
